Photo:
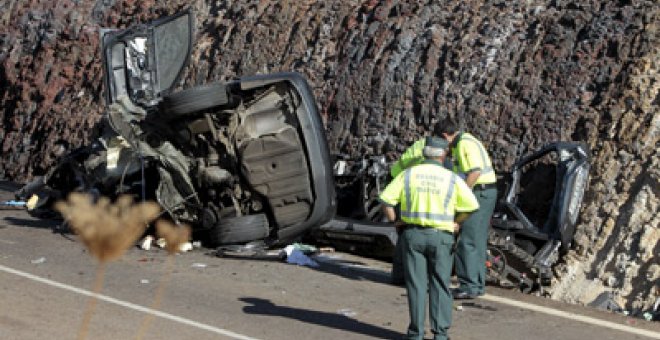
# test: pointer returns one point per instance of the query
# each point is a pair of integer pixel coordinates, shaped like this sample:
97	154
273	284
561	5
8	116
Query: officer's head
435	148
447	129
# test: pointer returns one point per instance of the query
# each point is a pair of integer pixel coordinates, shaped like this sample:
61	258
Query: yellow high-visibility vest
429	195
469	155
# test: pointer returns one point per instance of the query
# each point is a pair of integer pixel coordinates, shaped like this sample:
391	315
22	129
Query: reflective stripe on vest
482	152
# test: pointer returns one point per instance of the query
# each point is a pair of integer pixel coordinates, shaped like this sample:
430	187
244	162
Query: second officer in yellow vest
471	161
432	201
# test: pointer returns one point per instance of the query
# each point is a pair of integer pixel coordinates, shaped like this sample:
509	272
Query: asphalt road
46	278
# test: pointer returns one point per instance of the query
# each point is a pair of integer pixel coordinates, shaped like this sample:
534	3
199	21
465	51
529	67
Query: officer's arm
472	177
390	196
466	202
411	156
389	213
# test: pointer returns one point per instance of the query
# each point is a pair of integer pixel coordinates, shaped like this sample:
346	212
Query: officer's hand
399	225
457	227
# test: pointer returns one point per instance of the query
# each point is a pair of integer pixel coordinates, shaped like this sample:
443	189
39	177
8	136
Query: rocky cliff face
517	74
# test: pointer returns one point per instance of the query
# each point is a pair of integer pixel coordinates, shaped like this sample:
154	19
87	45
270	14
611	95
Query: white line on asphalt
571	316
128	304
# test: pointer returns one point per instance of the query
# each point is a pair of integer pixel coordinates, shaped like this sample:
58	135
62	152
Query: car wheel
240	229
194	99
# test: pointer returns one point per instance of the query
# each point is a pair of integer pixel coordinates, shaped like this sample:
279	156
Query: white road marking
571	316
128	304
487	297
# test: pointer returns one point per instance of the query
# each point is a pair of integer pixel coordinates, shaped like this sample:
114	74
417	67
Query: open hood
144	62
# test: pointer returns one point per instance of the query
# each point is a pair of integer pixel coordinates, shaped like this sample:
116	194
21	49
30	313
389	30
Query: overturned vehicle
532	226
244	161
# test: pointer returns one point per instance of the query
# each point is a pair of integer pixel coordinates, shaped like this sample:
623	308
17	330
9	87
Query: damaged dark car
242	161
532	227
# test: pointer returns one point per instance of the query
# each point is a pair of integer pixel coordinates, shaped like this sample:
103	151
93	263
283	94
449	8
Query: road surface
46	278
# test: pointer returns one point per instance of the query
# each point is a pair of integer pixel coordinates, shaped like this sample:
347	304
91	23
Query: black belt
415	226
485	186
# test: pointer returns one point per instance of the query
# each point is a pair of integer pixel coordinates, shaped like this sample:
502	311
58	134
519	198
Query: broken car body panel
146	61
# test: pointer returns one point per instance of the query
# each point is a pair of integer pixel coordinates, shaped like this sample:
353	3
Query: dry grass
108	229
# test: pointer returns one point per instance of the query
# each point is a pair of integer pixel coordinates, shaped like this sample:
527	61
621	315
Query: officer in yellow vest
412	156
433	201
471	161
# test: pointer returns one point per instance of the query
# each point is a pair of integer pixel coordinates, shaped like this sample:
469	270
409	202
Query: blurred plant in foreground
107	230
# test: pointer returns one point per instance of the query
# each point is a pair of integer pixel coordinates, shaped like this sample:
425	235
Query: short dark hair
447	126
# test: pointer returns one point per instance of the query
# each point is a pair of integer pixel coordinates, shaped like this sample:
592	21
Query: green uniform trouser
470	259
427	270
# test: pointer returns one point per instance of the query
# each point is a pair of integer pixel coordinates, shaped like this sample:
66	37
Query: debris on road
146	242
347	312
296	256
38	261
199	265
13	203
305	248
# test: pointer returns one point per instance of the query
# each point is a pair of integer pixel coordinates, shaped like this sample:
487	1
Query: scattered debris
347	312
458	307
38	261
185	247
32	203
648	316
606	302
12	203
199	265
305	248
146	242
144	281
161	243
296	256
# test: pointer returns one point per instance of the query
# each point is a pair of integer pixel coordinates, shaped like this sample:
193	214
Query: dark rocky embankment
518	74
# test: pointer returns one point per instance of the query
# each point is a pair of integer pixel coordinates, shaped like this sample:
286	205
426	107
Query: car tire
234	230
194	100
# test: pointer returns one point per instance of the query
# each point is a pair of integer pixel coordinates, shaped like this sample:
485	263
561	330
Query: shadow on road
352	270
348	269
331	320
33	223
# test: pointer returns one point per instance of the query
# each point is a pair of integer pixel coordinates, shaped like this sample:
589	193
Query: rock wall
517	74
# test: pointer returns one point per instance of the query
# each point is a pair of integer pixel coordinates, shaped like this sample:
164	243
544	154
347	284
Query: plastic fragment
296	256
32	202
146	242
39	260
347	312
13	203
184	247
